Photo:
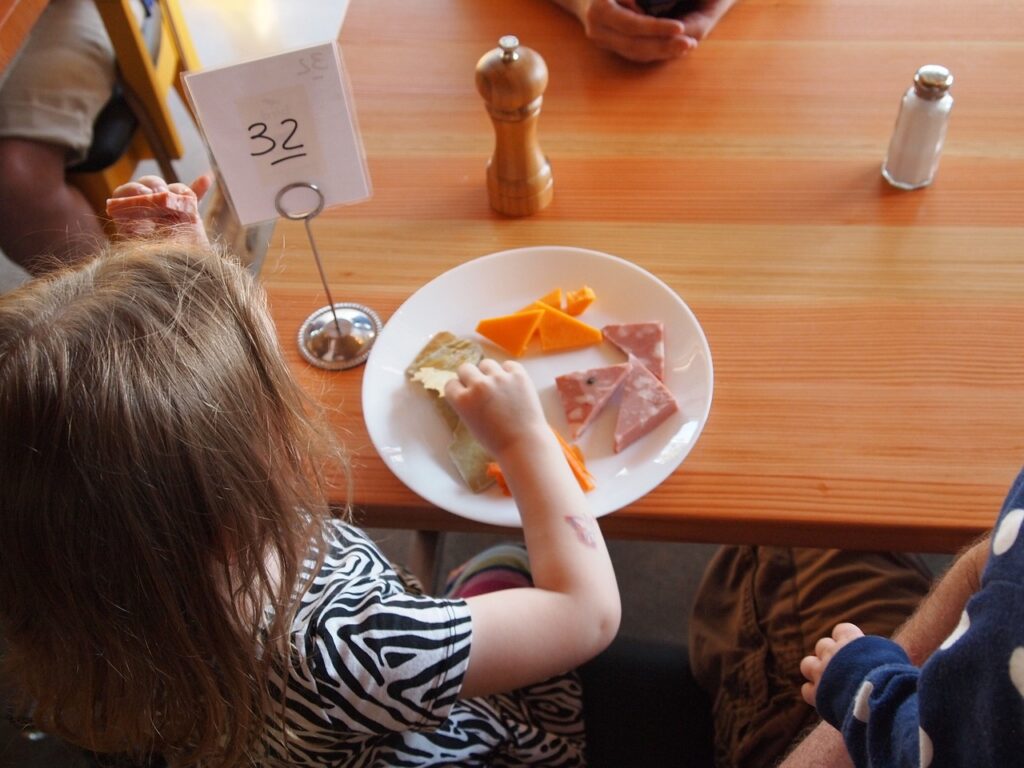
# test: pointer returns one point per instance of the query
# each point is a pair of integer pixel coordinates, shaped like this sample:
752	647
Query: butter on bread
434	379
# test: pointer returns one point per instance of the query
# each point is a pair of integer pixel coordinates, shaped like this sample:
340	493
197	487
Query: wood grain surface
17	18
866	342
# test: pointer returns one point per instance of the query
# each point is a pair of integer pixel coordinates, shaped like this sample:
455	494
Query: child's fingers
824	647
180	189
846	632
489	366
155	183
810	667
469	373
202	185
453	388
809	693
130	189
515	369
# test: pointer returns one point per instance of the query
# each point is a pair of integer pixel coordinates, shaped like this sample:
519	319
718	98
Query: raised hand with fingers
150	206
813	667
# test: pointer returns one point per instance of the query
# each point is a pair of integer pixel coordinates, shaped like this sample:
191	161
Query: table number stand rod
340	335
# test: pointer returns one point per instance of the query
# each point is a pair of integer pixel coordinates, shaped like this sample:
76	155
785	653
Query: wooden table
867	343
16	20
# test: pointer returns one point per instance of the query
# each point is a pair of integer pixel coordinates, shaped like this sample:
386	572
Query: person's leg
49	100
759	610
503	566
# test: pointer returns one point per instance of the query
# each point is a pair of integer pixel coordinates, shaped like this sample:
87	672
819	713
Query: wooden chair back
147	82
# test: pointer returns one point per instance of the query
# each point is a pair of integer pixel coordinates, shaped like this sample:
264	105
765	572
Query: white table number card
279	120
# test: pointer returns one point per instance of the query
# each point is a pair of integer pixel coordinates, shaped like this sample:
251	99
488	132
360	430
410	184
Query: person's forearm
566	546
940	611
823	747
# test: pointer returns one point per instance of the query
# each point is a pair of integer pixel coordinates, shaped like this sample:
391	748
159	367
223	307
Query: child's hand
498	403
151	206
813	667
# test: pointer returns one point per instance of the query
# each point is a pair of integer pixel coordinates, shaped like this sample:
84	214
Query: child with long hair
172	580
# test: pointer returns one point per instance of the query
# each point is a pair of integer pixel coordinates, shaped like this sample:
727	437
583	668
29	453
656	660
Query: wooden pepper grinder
512	80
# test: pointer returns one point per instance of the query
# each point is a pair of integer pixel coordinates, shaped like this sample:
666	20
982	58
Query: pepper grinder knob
512	79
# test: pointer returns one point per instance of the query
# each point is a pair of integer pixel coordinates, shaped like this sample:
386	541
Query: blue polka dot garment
965	706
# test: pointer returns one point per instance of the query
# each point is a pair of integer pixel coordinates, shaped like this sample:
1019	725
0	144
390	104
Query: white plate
413	440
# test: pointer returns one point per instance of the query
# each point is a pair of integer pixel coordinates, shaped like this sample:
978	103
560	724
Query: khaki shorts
60	80
760	610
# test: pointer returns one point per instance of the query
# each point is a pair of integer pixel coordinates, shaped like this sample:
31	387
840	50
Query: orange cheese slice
560	331
547	301
553	299
578	300
512	332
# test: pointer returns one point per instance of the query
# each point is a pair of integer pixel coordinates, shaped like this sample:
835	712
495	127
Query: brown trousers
760	610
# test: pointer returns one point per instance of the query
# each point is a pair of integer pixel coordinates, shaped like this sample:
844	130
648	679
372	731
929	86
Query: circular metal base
322	345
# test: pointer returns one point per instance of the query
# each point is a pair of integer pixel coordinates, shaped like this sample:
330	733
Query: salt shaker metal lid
932	81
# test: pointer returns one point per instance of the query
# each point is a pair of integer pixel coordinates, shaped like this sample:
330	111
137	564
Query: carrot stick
493	470
573	456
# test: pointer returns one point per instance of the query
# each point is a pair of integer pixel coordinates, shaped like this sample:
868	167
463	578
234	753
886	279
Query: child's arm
853	679
922	633
523	636
892	712
151	206
868	689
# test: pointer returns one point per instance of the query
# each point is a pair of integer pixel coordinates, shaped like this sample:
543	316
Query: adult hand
151	206
813	667
700	22
624	29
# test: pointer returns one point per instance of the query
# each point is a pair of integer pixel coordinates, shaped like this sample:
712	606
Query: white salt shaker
920	130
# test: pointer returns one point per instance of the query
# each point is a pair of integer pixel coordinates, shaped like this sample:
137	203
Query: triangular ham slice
584	393
645	404
646	341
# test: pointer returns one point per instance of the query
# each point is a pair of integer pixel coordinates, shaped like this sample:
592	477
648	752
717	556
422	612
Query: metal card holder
340	335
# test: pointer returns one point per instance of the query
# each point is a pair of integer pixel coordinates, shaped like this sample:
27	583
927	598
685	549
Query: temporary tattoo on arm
583	528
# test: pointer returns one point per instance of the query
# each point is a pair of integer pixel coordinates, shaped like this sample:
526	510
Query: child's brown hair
160	489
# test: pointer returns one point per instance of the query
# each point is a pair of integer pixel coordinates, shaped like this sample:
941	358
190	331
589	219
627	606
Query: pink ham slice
645	341
585	393
645	404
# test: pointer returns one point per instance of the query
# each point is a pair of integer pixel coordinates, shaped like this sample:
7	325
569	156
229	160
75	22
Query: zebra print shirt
375	674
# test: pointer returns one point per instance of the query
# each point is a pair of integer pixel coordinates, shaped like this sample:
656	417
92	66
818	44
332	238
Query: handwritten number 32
271	144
